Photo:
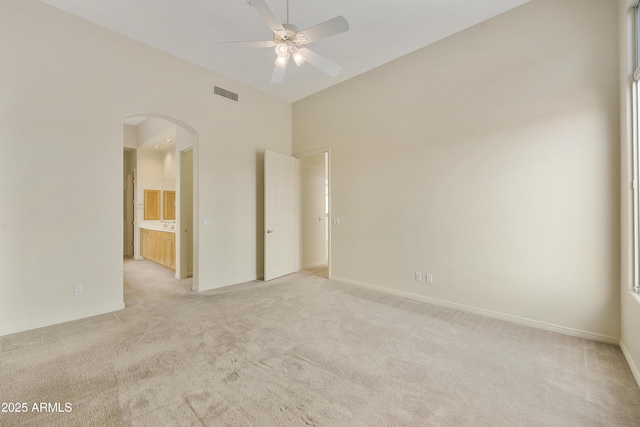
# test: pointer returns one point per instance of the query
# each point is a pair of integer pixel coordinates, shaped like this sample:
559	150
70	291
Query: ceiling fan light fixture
281	61
282	49
298	57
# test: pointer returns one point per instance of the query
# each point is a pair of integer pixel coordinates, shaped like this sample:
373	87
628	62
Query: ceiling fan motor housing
291	37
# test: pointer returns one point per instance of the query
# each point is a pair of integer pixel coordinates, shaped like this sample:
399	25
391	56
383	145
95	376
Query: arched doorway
149	138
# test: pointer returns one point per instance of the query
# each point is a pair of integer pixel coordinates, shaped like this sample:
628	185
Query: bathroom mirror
169	204
151	204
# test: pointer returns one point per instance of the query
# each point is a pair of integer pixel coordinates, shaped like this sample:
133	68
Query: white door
280	215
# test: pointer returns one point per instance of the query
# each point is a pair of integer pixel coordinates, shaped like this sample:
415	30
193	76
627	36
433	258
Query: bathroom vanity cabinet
158	246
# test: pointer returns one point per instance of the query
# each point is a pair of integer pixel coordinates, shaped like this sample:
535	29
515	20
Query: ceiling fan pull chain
287	11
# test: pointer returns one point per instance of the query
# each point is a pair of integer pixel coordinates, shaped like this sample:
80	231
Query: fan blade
267	14
266	43
328	28
279	69
320	62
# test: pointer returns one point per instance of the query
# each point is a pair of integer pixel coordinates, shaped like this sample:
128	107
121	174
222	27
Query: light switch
336	221
207	223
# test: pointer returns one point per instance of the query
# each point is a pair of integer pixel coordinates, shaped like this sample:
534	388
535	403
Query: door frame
182	246
194	144
130	213
312	153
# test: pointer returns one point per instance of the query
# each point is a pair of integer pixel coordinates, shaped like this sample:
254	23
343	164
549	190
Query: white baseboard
488	313
58	320
632	364
314	266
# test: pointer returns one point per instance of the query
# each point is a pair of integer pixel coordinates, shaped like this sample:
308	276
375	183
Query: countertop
158	227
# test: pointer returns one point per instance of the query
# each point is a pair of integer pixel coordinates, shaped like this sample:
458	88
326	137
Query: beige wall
66	86
630	303
149	176
130	136
490	160
169	169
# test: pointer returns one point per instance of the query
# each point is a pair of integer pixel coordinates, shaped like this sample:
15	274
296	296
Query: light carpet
306	351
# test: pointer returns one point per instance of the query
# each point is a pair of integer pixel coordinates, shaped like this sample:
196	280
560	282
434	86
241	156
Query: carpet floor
305	351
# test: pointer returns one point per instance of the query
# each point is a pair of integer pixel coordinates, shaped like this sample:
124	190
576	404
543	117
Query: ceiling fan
288	41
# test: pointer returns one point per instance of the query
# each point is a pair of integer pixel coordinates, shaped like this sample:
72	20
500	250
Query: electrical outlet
429	278
237	263
418	276
77	290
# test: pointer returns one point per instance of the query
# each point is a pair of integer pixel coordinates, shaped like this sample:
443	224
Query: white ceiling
380	31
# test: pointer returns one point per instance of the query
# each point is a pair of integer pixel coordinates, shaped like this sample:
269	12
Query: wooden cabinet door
142	238
167	250
171	260
144	243
151	246
151	204
158	246
151	252
173	253
155	249
169	204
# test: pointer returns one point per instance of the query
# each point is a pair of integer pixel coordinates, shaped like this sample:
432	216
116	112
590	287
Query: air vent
226	93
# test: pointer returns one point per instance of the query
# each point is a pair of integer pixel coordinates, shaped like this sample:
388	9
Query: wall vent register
225	93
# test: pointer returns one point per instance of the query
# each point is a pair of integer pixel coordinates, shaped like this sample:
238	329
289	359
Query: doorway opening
315	208
160	194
